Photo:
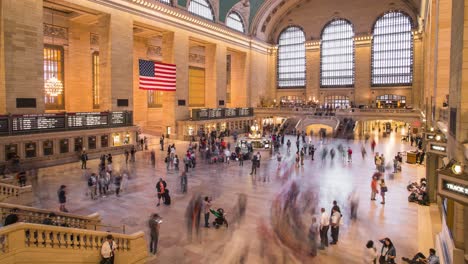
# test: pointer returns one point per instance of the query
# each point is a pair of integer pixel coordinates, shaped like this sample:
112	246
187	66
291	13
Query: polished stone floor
330	181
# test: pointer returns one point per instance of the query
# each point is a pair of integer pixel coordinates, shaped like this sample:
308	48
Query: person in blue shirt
421	259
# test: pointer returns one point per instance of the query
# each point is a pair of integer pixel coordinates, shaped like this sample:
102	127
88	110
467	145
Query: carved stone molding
53	31
153	51
196	58
94	39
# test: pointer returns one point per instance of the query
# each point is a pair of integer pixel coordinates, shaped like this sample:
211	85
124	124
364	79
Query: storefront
453	193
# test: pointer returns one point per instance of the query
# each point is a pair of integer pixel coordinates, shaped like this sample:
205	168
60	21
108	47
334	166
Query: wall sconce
438	137
432	129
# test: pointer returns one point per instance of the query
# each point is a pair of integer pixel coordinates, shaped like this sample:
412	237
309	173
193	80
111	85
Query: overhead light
438	137
432	129
457	169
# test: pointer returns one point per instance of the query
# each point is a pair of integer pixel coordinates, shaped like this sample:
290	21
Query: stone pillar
312	68
220	69
238	80
211	71
116	60
432	162
22	55
362	91
78	70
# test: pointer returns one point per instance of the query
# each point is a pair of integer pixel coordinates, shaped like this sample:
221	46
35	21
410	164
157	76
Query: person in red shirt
350	154
374	187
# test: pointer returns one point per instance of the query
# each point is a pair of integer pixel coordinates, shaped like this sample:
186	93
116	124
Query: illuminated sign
455	188
438	148
219	113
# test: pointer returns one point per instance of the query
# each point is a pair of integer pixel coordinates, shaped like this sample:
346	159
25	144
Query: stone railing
8	190
34	243
37	216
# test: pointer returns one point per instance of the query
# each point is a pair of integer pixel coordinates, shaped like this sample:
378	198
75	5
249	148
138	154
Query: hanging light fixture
53	86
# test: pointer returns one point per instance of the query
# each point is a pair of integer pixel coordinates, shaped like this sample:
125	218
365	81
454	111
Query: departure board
4	124
215	113
230	112
24	123
218	113
84	120
245	112
117	118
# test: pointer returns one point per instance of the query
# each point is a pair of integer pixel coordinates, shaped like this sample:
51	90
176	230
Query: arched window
337	55
291	58
201	8
234	21
392	50
337	101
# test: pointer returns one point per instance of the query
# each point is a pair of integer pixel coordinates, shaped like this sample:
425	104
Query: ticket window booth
48	147
104	141
11	151
92	142
78	144
64	146
30	150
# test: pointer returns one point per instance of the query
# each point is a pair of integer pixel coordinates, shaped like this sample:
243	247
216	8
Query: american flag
157	76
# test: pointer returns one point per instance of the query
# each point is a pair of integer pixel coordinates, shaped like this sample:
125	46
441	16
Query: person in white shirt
324	225
107	250
370	253
335	226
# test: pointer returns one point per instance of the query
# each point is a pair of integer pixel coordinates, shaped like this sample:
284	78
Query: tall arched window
234	21
201	8
337	55
291	58
392	50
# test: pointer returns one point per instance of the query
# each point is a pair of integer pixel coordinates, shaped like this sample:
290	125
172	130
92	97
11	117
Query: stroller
220	219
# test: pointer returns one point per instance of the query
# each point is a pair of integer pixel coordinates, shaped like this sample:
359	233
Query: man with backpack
84	159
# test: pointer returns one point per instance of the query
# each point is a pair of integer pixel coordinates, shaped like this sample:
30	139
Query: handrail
27	238
36	215
8	190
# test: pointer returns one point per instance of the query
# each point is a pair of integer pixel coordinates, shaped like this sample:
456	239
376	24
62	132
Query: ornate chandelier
53	87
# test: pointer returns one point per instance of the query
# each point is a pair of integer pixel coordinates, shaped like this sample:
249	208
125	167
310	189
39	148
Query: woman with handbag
388	252
383	190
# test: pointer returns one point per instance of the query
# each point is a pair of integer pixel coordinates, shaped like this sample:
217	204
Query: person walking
302	157
370	253
335	225
183	182
324	225
279	158
108	250
161	142
288	146
161	189
312	151
154	225
118	183
84	159
383	190
62	197
350	154
168	162
206	210
176	163
388	251
153	158
92	186
127	154
374	189
21	176
132	154
102	185
241	159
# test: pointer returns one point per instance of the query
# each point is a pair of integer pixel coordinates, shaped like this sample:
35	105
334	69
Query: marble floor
331	180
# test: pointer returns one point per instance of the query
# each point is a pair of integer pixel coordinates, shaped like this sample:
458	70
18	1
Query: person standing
161	142
84	159
388	251
374	190
92	185
335	225
302	156
279	158
161	189
176	162
383	190
370	254
313	233
206	210
312	151
288	145
324	225
21	178
108	249
62	197
241	159
154	224
254	165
